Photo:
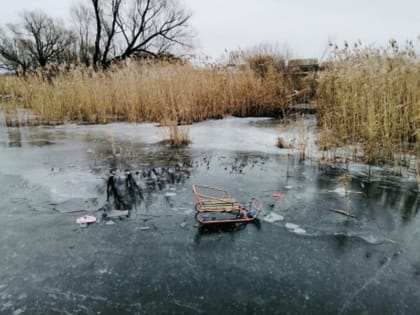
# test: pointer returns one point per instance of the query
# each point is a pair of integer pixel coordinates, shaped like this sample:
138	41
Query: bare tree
106	31
110	24
49	41
98	14
37	41
83	20
14	55
138	27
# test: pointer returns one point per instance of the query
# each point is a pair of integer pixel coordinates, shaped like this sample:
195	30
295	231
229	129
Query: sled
214	205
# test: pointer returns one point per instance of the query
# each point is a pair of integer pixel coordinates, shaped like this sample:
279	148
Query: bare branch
136	27
83	21
37	41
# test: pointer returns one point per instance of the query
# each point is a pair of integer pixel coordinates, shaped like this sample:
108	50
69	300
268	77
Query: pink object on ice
278	195
86	219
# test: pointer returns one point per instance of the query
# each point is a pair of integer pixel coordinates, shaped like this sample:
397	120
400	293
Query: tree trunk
97	52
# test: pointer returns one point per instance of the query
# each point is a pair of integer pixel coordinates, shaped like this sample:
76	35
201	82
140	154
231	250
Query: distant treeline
102	32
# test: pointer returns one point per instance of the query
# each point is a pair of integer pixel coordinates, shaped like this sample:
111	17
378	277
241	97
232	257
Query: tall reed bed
371	97
6	85
152	92
3	86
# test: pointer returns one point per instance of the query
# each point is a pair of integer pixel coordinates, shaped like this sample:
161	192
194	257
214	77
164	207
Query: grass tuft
177	136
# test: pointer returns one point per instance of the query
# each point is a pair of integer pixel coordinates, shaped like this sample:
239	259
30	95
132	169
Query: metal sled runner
215	206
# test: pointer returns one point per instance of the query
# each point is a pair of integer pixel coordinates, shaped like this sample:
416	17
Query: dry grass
3	84
151	92
176	136
372	97
282	143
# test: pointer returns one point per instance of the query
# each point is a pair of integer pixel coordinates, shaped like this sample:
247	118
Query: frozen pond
302	257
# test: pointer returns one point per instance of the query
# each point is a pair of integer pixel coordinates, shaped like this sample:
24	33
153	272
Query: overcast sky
304	26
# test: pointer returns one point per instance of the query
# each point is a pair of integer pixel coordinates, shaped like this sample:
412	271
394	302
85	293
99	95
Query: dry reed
282	143
3	85
176	136
151	92
371	97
